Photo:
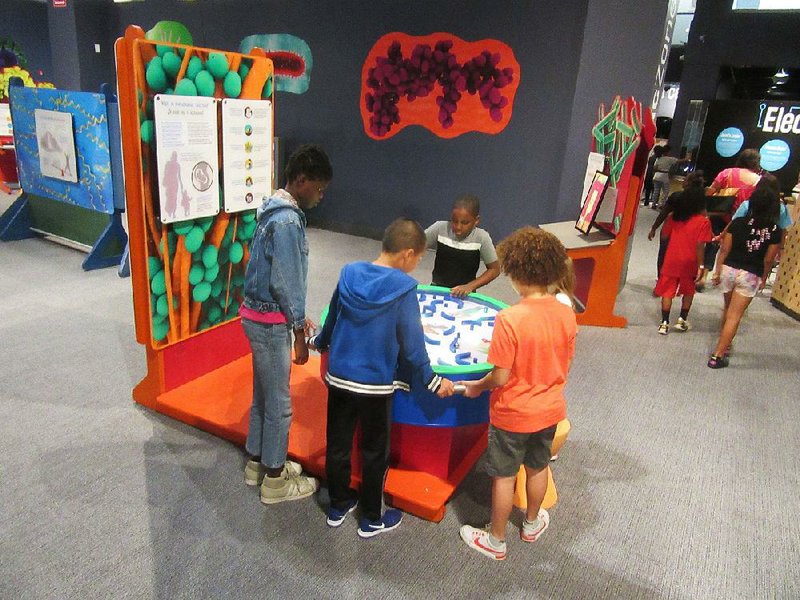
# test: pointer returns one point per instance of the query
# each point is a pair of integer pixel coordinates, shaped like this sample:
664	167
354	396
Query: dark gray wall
94	25
722	37
64	46
25	22
572	55
621	47
515	173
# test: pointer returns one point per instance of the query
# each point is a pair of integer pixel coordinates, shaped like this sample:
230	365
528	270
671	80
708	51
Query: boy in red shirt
689	230
532	348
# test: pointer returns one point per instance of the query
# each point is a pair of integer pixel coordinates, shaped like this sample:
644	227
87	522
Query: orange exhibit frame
204	378
188	359
598	258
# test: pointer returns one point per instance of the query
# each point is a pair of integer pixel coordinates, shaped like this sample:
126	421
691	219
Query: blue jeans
271	413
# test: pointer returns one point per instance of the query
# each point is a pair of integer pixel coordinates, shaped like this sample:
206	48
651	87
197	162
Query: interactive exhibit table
187	275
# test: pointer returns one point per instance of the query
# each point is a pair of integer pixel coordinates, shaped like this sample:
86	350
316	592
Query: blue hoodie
373	324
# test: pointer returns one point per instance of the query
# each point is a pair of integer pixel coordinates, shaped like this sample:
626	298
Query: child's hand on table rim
445	388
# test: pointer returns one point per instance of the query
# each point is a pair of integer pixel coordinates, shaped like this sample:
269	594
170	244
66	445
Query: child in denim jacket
273	308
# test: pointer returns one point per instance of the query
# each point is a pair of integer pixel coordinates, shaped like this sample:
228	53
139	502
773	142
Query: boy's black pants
345	410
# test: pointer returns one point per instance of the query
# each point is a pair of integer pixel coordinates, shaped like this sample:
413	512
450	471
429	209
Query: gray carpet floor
676	482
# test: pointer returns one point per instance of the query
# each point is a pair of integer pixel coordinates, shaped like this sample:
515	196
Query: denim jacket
275	279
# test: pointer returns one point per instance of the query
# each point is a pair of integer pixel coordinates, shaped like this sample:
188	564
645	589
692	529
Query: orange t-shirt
535	339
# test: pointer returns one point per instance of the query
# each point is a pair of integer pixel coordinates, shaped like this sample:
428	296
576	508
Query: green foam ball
249	216
244	69
159	284
217	64
248	230
232	84
150	108
211	272
266	93
214	314
162	50
194	239
186	87
160	330
210	256
236	253
183	227
194	67
196	274
201	291
205	84
154	265
171	63
162	308
146	131
155	75
203	325
205	223
237	279
216	287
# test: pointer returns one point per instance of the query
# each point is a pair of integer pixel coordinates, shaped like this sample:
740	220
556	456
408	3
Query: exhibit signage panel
247	152
56	143
186	148
772	128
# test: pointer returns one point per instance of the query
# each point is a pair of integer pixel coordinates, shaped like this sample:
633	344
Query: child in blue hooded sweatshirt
373	324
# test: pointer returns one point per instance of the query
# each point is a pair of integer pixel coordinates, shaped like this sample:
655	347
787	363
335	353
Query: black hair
309	160
695	179
403	234
469	203
658	151
690	202
749	159
765	207
769	181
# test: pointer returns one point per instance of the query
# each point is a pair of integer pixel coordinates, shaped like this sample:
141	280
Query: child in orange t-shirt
531	350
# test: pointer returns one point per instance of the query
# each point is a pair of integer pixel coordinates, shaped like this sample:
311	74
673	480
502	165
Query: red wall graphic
438	81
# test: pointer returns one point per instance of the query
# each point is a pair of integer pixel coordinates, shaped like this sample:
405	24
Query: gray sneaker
254	471
289	486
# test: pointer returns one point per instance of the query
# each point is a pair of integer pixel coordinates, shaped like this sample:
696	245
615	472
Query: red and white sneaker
478	539
530	532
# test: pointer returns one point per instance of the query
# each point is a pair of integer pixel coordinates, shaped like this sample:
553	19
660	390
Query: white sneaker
663	329
478	539
254	471
682	325
287	487
530	532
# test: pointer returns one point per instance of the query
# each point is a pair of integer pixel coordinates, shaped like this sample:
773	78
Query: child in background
688	229
693	180
460	247
746	255
532	348
273	308
373	321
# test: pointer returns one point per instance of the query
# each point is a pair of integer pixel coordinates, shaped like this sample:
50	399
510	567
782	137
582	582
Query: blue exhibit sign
94	189
774	155
729	141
